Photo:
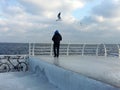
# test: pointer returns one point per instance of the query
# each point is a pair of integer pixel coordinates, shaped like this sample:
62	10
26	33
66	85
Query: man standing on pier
56	43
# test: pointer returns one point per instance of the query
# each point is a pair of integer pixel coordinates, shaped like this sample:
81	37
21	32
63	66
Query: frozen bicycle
14	66
19	65
4	66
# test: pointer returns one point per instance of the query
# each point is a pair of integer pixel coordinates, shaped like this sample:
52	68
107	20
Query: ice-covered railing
76	49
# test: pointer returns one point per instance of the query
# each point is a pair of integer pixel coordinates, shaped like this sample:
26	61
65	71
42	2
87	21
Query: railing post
97	50
105	50
51	49
119	53
118	50
68	46
33	49
29	49
83	49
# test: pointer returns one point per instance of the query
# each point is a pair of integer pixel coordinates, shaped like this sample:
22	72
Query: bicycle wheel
4	67
22	66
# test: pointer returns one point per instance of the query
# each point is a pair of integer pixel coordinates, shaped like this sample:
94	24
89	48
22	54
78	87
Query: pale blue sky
86	10
35	20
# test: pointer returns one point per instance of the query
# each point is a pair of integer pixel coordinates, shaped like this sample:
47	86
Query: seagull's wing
59	15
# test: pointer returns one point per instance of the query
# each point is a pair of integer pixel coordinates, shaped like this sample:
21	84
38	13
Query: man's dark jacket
56	38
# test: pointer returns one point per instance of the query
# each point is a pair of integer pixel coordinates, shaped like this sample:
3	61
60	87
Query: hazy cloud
108	9
106	16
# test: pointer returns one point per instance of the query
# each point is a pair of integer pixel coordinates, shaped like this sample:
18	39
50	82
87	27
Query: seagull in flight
59	16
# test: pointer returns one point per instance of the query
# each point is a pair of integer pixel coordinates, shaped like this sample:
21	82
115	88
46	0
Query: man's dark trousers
56	50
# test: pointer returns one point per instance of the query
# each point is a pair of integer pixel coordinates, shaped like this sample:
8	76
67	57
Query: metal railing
75	49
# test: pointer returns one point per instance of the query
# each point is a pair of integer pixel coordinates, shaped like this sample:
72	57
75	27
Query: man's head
56	32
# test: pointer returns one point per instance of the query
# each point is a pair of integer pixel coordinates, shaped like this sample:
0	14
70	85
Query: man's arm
60	38
53	38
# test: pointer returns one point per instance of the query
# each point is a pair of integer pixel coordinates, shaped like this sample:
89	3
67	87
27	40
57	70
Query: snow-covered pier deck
65	73
104	69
